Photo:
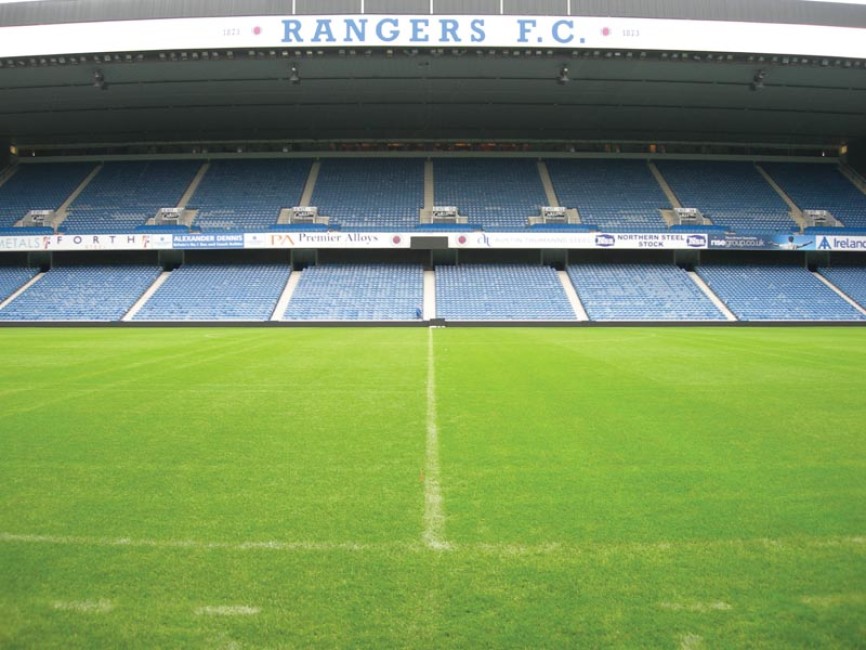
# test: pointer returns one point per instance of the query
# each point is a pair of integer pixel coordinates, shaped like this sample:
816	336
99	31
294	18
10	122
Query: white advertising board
578	240
843	243
326	240
85	242
420	31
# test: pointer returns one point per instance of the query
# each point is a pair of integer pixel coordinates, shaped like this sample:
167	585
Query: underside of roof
469	95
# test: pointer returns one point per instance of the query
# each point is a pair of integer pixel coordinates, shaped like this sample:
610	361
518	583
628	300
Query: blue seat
217	292
775	292
819	186
653	292
82	293
123	195
13	278
367	292
497	194
39	186
248	194
521	292
732	194
850	279
371	194
615	195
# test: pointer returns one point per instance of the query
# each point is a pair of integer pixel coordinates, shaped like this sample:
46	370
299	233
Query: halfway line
855	542
434	515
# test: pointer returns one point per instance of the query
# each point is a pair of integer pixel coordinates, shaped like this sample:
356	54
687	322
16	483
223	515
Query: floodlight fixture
98	80
758	81
563	79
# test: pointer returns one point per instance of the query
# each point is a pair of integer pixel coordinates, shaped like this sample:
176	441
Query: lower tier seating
850	279
208	292
466	292
365	292
657	292
13	278
500	292
82	293
776	292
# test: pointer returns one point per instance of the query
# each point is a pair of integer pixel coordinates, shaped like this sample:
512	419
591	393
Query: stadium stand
731	194
365	292
851	280
498	194
614	195
775	292
82	293
636	292
43	186
500	292
13	278
217	292
373	194
814	186
125	194
247	194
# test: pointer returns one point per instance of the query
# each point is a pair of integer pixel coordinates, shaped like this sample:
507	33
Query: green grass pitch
448	488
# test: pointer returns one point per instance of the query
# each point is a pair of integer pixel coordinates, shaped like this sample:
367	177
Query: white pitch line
434	515
86	606
834	600
227	610
691	642
66	540
716	606
506	549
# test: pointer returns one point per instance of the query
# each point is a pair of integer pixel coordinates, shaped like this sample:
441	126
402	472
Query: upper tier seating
370	194
615	195
816	186
82	293
364	292
775	292
43	186
630	292
13	278
850	279
207	292
248	194
732	194
124	195
498	194
500	292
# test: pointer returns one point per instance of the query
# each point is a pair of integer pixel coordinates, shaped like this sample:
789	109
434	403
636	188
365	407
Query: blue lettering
526	25
556	27
418	27
323	28
356	30
292	31
391	34
449	30
478	34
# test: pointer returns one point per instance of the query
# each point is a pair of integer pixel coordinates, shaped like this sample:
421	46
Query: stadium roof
431	94
807	12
